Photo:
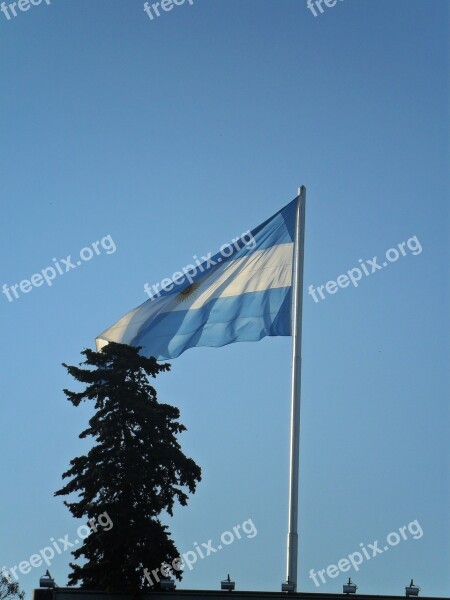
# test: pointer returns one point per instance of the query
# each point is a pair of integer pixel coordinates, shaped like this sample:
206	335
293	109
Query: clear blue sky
174	136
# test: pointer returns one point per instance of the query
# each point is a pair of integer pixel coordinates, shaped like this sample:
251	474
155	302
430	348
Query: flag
241	294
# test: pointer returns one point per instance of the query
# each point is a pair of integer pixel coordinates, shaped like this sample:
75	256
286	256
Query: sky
164	138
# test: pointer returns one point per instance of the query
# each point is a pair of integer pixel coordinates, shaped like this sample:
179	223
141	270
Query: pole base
289	586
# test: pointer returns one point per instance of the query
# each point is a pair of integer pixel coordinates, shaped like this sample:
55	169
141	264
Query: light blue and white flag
241	294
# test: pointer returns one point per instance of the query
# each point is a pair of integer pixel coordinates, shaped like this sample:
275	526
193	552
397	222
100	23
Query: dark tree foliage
9	589
134	472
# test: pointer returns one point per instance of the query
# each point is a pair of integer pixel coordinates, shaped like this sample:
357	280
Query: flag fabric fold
243	293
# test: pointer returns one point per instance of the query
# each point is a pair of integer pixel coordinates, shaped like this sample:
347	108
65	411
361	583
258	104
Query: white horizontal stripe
261	270
116	332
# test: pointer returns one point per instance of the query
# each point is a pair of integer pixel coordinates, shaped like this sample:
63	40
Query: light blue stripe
245	318
279	229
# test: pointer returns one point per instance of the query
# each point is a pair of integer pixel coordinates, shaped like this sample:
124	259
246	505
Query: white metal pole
297	304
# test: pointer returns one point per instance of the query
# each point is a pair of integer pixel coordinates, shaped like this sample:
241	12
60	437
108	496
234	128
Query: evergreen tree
134	472
9	590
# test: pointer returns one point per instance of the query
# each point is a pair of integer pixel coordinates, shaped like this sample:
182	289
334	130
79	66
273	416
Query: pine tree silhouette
134	472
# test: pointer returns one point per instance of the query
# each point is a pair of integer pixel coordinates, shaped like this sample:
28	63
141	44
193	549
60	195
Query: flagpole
297	308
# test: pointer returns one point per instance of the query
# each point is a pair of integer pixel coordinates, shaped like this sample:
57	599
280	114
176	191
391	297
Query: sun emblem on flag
189	292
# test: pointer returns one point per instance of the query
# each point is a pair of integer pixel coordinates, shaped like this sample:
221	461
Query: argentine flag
241	294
